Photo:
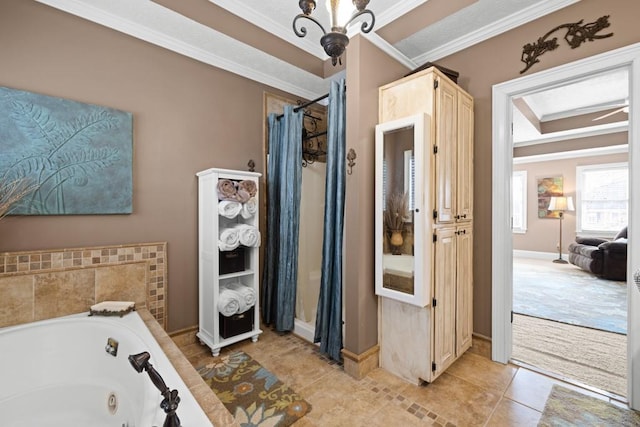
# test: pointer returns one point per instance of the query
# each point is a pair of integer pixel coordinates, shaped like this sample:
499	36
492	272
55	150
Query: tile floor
474	391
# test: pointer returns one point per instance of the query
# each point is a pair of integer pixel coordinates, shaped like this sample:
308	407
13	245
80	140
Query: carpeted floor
590	356
565	293
566	407
251	393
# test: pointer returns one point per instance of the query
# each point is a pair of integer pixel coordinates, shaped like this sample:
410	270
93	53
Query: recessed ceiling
594	105
255	39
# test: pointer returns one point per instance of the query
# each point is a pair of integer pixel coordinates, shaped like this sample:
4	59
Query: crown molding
382	44
291	79
396	11
565	135
563	155
271	26
496	28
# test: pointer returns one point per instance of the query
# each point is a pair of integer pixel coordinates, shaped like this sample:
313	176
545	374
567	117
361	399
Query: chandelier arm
303	30
366	26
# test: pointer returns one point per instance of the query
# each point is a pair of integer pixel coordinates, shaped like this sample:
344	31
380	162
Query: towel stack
235	298
239	191
238	234
232	208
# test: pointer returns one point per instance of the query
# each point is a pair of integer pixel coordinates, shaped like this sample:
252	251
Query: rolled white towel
231	290
249	208
247	294
229	239
248	235
229	302
229	209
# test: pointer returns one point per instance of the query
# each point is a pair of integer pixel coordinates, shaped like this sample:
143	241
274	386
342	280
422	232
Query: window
519	200
409	177
602	198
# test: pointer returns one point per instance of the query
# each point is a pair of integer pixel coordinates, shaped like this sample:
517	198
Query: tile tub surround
37	285
203	394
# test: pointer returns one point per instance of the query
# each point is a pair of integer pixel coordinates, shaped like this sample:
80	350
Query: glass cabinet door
399	198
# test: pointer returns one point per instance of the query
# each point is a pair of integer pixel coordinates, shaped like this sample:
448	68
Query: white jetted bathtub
58	373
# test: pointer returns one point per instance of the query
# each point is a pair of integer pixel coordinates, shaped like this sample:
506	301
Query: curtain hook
351	157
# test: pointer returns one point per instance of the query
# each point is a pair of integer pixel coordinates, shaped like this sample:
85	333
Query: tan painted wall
187	116
543	233
368	69
498	60
494	61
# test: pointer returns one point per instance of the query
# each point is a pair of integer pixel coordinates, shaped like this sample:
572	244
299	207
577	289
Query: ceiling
590	106
255	39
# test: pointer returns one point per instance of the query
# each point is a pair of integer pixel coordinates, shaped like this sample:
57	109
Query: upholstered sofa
604	258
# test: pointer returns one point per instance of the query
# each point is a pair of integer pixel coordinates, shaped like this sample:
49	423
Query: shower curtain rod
306	104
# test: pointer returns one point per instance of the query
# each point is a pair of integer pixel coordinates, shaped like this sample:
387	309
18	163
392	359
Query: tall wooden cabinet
440	228
228	251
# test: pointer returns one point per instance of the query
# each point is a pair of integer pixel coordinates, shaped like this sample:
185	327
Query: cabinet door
445	158
464	292
444	310
464	197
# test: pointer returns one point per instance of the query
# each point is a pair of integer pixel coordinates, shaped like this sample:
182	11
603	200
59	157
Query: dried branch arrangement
12	192
396	212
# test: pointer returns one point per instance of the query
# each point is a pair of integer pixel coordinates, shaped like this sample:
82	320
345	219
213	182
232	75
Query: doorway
311	208
502	248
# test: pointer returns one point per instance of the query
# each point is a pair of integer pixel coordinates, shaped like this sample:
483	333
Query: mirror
397	206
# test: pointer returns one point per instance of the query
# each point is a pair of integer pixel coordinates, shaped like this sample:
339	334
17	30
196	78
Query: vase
396	238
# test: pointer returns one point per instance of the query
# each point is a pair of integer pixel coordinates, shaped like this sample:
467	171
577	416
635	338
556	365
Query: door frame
502	157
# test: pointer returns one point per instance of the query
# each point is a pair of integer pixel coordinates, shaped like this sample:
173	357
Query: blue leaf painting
78	156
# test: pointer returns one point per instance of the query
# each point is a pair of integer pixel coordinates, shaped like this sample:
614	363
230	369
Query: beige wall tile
16	296
125	282
63	293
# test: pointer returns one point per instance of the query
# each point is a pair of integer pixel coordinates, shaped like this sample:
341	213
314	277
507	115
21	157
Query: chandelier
335	41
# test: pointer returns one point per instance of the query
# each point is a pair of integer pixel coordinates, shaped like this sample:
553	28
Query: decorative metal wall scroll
575	36
351	159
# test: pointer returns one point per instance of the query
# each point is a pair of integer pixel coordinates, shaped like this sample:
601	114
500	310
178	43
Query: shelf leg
215	352
254	338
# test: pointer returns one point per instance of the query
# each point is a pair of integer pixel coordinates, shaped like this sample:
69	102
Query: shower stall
310	248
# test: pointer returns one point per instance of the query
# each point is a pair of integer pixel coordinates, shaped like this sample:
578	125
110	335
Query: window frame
579	191
525	205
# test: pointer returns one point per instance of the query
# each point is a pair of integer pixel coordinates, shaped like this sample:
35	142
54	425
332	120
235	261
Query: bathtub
398	265
57	373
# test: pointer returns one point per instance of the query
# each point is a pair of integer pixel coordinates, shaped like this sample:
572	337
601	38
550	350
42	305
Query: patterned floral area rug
570	408
251	393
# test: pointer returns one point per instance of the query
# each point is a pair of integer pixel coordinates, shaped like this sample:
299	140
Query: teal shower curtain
329	317
284	179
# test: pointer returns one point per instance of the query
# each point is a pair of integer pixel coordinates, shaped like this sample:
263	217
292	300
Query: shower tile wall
39	285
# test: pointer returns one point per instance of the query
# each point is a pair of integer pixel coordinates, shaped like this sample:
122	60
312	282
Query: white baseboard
537	255
304	330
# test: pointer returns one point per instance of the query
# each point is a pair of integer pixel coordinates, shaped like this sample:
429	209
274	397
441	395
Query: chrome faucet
171	400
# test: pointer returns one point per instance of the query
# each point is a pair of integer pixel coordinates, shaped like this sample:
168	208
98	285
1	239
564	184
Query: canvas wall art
547	188
78	156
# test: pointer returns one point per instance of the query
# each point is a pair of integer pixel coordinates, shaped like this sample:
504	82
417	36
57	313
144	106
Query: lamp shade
561	203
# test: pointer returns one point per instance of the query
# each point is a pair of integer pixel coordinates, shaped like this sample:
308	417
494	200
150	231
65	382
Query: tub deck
206	398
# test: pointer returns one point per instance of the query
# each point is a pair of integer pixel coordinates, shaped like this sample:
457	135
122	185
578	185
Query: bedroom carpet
565	293
590	356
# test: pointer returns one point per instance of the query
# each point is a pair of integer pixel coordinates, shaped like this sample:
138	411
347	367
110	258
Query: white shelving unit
219	269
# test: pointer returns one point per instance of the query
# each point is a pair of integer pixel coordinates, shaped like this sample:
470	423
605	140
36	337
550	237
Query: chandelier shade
335	41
